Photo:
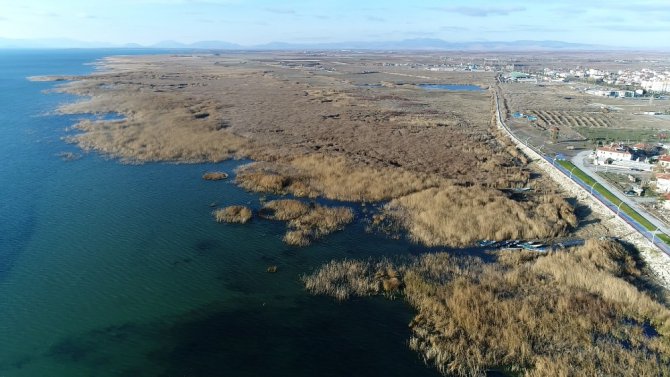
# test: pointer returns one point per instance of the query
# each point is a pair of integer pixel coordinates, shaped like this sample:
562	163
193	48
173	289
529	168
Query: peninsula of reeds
579	312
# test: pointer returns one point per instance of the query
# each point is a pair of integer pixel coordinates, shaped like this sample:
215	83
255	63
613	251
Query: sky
632	23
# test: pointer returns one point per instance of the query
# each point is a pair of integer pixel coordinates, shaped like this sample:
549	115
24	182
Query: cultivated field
579	115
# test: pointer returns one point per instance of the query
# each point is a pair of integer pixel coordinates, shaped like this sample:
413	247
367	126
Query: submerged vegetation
233	214
562	314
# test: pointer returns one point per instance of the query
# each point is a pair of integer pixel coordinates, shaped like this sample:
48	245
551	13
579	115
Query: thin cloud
644	8
453	28
281	10
375	19
628	28
88	16
48	14
480	11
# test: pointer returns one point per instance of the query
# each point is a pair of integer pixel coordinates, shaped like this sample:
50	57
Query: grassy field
611	197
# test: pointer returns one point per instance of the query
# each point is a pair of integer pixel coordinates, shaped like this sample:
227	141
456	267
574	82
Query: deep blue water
451	87
119	270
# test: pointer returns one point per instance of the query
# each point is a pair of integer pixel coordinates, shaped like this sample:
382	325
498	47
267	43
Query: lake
451	87
109	269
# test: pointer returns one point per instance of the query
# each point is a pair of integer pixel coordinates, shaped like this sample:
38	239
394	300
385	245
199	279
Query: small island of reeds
233	214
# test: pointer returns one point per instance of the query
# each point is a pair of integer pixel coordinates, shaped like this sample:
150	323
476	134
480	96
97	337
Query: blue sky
634	23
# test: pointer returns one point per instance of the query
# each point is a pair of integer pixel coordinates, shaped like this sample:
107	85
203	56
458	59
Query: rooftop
614	149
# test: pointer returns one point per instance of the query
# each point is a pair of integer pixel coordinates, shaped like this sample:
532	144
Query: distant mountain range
407	44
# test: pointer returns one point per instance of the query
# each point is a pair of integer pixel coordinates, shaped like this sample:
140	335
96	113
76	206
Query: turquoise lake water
119	270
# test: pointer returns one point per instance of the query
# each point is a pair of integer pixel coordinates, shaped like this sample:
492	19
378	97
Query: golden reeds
333	178
284	209
459	216
567	313
233	214
214	176
318	222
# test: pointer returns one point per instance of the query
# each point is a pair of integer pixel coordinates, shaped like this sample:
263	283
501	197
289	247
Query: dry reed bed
183	109
284	209
563	314
214	176
233	214
156	127
332	177
306	223
459	216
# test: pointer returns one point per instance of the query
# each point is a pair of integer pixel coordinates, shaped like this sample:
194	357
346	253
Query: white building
612	153
663	183
664	161
656	86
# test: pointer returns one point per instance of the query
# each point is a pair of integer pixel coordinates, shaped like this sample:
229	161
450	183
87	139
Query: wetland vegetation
580	312
434	165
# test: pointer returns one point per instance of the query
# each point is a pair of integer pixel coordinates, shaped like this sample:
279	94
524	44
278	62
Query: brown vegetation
332	177
214	176
459	216
343	279
347	142
306	223
297	238
233	214
318	222
562	314
284	209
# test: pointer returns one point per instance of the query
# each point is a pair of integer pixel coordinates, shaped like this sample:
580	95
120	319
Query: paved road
580	160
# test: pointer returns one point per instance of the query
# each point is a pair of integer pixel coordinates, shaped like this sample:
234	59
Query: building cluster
470	67
640	157
644	79
516	76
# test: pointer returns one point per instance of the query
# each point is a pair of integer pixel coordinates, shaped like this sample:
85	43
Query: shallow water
119	270
451	87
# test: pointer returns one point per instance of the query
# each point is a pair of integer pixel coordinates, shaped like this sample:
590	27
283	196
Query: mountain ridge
405	44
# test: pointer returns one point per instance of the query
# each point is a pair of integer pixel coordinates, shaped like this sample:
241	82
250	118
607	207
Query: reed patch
459	216
569	313
233	214
332	177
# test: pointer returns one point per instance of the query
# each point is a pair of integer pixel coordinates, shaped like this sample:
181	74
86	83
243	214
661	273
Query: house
664	161
613	153
663	183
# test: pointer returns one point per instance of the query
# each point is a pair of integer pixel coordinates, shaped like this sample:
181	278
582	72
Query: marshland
581	312
336	150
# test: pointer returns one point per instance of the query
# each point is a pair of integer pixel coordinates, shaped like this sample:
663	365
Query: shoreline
180	119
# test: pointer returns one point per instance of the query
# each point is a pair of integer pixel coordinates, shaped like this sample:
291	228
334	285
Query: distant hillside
407	44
